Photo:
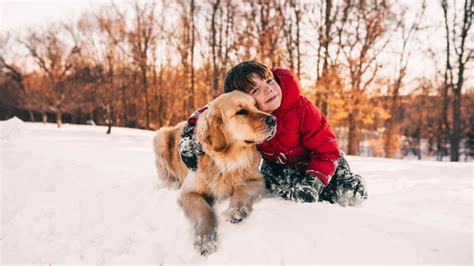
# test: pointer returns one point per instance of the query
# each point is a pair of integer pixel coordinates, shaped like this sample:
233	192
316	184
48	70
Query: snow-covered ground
77	195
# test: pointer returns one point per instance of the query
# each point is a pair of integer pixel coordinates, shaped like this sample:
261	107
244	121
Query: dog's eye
242	112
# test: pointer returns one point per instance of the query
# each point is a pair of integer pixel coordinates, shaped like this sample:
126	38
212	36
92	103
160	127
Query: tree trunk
298	43
456	127
45	118
445	122
125	106
439	143
418	147
215	70
192	100
155	95
110	118
388	140
162	99
419	135
324	105
390	124
32	116
145	90
59	120
389	127
215	84
457	93
354	136
431	140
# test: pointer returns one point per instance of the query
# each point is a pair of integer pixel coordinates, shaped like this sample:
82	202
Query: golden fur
228	132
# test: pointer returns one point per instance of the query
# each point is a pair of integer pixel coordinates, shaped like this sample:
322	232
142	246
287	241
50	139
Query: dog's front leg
203	218
241	201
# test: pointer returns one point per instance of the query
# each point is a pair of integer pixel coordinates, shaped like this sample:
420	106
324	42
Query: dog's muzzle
271	123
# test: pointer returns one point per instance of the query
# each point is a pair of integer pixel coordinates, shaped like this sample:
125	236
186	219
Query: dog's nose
270	121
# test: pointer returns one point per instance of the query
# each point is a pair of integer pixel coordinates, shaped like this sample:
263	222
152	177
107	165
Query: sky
19	15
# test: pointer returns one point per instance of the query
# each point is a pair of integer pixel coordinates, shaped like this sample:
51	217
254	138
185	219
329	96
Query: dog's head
233	119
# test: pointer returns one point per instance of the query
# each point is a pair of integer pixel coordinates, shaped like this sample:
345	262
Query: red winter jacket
304	139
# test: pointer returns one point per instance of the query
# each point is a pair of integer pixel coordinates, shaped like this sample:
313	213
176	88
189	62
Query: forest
393	77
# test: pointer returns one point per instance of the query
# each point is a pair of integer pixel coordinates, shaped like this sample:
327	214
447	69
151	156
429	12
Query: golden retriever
228	132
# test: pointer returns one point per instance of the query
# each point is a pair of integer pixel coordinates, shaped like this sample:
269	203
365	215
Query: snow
77	195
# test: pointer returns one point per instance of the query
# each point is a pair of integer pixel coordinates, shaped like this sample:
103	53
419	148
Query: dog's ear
211	131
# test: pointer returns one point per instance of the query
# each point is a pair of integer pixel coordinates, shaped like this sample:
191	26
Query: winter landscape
393	79
76	195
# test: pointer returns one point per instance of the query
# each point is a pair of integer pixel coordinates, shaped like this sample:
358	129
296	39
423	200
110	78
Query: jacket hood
290	89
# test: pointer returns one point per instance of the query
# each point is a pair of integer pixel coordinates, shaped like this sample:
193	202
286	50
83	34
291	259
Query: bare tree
9	69
142	39
12	85
186	42
407	33
363	41
454	75
265	27
141	32
103	35
221	41
291	12
54	57
329	21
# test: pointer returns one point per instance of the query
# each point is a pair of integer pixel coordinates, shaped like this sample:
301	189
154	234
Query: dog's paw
206	244
236	215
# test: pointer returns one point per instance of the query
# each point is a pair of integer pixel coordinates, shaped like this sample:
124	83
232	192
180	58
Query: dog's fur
228	131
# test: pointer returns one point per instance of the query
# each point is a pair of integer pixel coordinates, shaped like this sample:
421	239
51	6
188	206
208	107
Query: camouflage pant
345	188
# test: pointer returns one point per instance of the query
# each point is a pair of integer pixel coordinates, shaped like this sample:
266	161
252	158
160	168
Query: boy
302	162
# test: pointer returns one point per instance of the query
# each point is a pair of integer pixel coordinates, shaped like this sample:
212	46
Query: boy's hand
304	189
308	189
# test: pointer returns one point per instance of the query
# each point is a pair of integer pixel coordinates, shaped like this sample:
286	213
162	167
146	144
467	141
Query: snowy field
77	195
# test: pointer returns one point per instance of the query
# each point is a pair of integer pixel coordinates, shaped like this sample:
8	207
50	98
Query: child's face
267	94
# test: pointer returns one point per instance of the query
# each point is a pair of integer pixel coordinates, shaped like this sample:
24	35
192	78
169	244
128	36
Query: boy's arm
319	139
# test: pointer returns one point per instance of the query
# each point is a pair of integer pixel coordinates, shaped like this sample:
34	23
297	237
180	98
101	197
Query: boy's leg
345	188
282	181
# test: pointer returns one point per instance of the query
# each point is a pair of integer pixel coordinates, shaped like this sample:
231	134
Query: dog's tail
164	145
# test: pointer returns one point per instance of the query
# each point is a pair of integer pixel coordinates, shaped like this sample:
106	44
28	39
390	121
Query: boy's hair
240	76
